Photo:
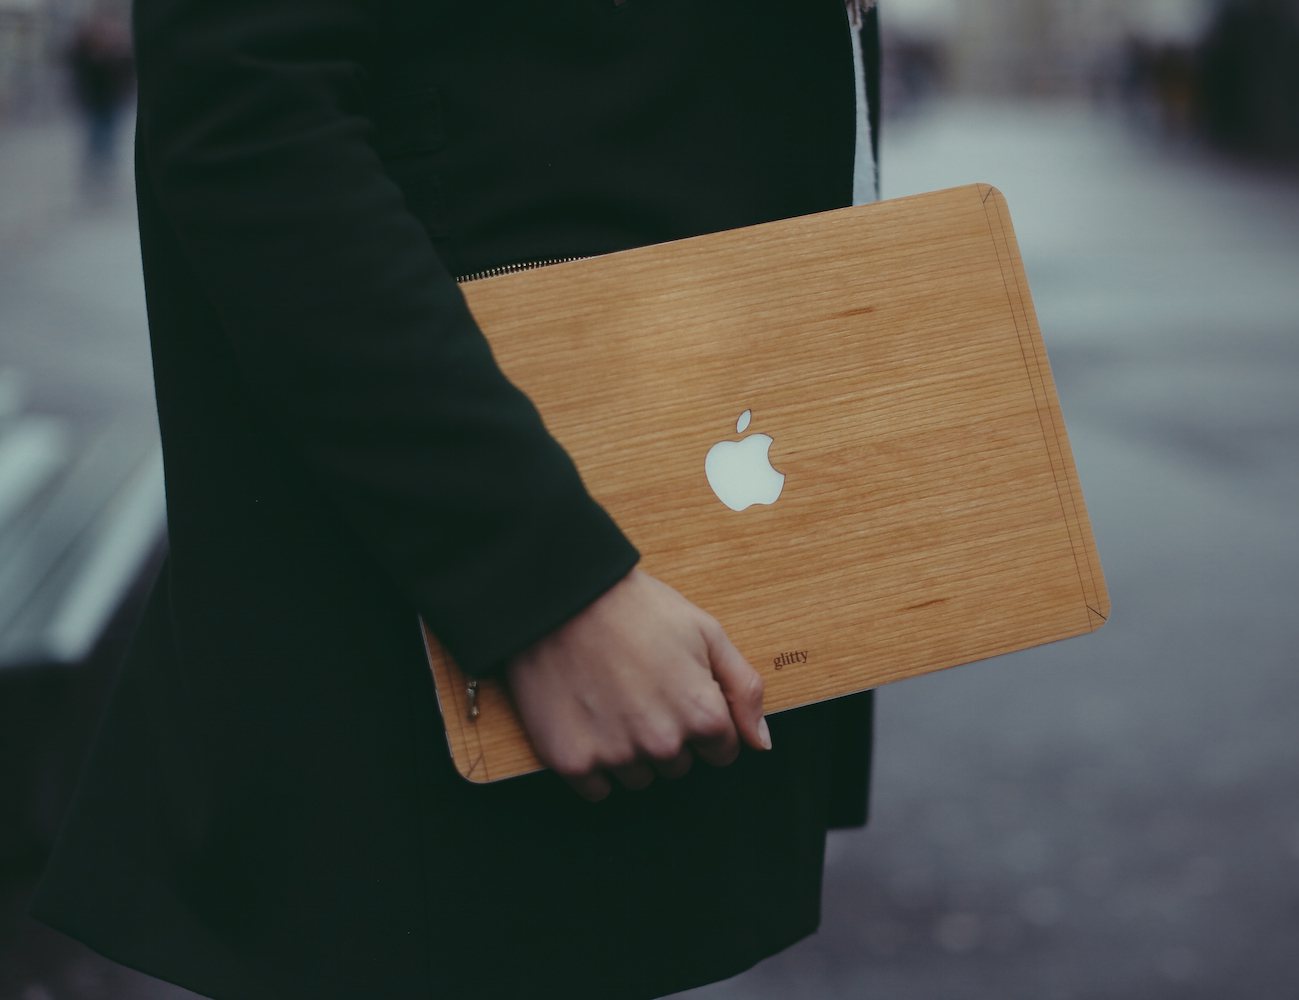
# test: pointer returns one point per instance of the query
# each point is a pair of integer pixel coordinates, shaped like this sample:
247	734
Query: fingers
633	688
635	776
594	787
713	734
741	685
593	783
655	758
675	767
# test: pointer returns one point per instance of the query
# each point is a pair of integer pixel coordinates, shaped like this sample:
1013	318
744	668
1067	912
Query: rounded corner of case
473	776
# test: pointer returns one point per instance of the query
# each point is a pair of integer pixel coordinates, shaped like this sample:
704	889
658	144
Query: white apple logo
740	472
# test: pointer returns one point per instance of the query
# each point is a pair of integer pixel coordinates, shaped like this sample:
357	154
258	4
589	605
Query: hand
635	685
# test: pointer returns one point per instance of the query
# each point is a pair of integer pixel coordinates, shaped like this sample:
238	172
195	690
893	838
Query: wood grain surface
931	513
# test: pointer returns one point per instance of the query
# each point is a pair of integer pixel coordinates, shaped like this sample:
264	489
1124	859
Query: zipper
503	269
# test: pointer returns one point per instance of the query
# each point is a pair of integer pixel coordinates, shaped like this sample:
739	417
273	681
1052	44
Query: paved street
1111	817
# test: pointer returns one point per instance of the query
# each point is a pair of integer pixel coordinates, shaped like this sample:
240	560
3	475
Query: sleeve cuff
562	570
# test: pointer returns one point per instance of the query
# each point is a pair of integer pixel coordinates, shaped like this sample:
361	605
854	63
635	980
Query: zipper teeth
530	265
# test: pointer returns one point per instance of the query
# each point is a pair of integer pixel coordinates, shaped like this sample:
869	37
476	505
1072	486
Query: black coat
270	809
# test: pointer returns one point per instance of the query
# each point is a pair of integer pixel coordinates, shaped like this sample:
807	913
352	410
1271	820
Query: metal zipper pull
472	693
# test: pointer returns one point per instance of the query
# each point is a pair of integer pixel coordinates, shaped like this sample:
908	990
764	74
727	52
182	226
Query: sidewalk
77	428
40	163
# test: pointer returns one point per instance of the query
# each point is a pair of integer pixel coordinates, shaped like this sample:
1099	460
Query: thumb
741	685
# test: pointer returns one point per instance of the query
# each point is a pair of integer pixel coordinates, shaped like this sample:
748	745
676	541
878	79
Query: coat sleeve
347	328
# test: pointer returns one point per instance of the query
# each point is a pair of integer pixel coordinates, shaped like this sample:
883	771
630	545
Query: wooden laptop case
931	513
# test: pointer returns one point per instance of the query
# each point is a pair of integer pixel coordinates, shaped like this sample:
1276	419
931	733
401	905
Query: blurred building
1227	70
24	28
1047	47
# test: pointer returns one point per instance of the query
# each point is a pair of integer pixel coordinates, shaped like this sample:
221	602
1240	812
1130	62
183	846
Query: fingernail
764	734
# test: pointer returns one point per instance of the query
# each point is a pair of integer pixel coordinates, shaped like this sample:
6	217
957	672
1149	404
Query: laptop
838	434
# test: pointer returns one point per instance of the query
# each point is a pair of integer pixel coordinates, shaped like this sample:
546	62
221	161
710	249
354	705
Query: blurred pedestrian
103	77
271	809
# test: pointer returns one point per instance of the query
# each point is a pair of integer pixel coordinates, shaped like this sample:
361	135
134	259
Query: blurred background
1112	817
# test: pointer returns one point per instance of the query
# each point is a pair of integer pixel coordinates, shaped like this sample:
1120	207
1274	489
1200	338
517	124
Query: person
99	60
270	809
